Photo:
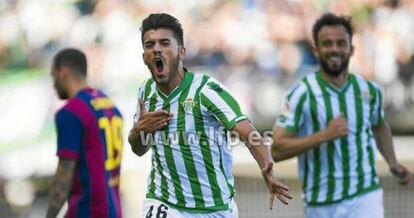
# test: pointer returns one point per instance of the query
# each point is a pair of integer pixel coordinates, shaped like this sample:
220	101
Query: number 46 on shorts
156	209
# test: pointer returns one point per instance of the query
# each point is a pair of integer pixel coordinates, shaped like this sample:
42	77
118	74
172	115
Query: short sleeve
291	117
70	133
138	107
376	104
143	92
218	100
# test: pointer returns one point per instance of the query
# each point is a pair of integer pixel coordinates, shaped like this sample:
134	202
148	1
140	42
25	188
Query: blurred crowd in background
259	46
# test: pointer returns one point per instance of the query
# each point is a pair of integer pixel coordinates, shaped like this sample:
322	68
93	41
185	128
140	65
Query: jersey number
161	212
113	137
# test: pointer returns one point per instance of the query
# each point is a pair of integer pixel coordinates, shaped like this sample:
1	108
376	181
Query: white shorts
367	205
156	209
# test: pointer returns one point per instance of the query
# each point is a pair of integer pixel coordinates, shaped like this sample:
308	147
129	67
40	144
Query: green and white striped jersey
191	159
345	167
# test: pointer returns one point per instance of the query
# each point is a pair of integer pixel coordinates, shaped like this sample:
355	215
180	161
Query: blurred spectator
262	37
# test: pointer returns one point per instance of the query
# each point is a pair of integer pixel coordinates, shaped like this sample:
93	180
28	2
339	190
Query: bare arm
385	145
61	186
260	152
287	145
142	133
136	141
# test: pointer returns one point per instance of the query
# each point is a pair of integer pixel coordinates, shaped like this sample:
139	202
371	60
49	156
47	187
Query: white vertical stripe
166	173
310	156
227	158
321	116
338	172
307	129
352	142
178	156
196	148
323	148
219	103
163	160
157	178
366	124
289	106
213	124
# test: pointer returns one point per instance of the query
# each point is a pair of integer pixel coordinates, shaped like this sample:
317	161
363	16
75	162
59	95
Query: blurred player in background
333	120
191	171
89	141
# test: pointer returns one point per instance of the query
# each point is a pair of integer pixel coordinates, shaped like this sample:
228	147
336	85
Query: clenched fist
337	127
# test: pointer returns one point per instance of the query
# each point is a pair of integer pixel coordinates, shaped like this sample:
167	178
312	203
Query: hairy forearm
139	143
57	196
287	147
60	187
385	145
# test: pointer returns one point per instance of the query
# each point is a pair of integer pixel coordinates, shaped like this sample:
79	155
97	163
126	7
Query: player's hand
402	173
275	187
149	122
336	128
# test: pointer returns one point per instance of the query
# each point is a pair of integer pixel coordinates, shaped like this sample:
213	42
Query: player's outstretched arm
287	145
383	138
260	152
61	185
141	135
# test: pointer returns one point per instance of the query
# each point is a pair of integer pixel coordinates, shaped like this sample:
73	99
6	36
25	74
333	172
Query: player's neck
337	81
166	89
76	86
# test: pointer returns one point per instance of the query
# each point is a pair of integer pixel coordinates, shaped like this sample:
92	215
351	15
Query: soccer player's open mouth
160	65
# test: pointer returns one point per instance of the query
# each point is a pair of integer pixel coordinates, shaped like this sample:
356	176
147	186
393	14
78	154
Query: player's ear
352	49
181	52
315	50
64	72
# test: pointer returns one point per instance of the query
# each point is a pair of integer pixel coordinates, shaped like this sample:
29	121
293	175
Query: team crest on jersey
188	105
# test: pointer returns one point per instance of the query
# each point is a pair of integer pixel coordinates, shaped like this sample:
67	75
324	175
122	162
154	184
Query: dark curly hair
330	19
163	20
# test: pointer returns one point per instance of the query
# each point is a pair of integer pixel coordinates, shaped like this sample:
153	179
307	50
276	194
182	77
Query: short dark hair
163	20
73	59
330	19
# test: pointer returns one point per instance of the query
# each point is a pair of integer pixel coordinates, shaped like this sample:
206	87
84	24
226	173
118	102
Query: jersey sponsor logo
101	103
188	105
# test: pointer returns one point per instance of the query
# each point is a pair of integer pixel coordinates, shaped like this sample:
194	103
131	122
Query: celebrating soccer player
89	144
188	115
333	120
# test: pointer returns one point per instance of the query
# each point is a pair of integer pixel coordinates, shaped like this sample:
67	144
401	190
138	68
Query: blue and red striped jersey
89	130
